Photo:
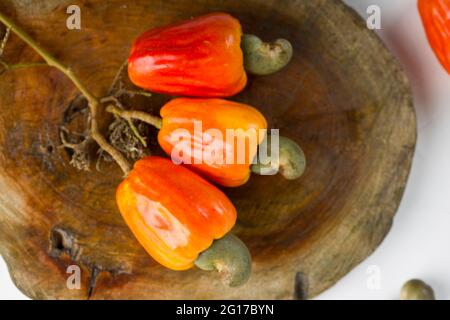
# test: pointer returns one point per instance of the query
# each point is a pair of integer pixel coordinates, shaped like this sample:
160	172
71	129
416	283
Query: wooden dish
343	98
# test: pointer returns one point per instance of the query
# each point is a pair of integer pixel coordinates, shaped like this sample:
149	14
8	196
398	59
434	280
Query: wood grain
343	98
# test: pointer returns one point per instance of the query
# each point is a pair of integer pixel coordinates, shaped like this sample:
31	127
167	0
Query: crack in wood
95	271
301	286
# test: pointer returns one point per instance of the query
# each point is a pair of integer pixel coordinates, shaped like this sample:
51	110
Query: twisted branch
137	115
93	101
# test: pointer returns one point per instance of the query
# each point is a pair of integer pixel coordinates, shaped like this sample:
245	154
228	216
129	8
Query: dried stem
8	67
93	101
138	115
118	109
118	76
5	40
80	158
136	132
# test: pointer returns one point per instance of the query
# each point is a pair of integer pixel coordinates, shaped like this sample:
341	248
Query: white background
418	244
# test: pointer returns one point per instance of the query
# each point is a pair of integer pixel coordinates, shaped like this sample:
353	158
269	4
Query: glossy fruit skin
201	57
435	16
174	213
181	118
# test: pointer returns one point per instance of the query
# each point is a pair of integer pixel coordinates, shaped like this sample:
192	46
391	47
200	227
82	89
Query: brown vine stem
137	115
93	101
8	67
5	40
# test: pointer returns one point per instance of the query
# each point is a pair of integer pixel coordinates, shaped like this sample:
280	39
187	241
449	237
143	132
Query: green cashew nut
416	290
264	58
291	162
230	257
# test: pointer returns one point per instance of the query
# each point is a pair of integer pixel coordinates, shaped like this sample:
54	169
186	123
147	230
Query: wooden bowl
343	98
